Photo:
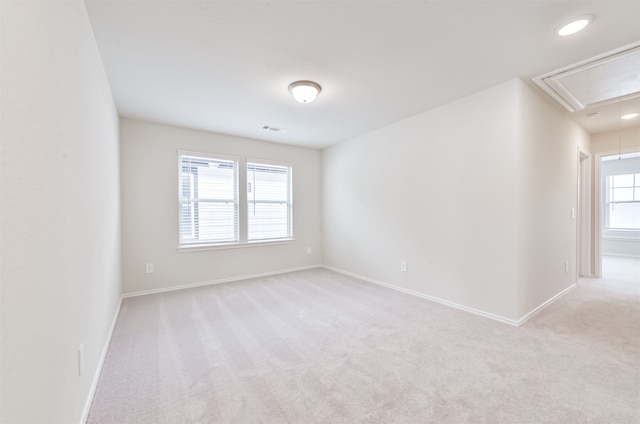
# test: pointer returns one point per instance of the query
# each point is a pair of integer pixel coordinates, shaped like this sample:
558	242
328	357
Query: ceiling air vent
274	129
598	81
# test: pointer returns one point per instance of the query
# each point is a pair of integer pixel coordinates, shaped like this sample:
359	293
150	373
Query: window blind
268	202
208	200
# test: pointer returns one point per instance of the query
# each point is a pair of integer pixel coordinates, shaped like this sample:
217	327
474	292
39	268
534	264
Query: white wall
449	190
549	168
609	143
435	190
60	225
150	212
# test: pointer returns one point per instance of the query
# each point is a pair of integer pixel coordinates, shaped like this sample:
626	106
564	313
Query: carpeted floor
318	347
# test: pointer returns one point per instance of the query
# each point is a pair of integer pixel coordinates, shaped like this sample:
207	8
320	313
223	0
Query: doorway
617	208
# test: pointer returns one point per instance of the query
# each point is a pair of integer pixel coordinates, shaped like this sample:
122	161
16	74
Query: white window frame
210	244
241	202
609	203
267	162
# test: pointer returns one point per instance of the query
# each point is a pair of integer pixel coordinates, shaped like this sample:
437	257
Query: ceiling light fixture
574	26
630	115
304	91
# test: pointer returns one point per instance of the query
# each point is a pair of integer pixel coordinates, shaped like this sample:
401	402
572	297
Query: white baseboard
94	384
427	297
545	304
96	376
509	321
222	280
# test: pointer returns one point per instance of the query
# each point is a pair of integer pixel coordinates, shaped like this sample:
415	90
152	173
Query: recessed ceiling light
574	26
629	116
304	91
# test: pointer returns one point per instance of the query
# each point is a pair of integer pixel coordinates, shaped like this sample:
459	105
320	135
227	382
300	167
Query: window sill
203	247
620	238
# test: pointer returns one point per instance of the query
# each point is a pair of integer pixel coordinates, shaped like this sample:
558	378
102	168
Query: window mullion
242	201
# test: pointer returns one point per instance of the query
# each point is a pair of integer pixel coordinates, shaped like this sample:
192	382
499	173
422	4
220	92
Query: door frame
597	205
584	251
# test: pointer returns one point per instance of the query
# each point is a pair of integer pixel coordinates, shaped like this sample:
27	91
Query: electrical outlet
308	250
403	266
566	266
573	213
148	268
80	358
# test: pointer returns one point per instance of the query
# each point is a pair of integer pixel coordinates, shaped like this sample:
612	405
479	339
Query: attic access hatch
601	80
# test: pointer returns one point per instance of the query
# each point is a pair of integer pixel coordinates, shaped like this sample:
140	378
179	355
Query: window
623	202
208	200
213	211
268	202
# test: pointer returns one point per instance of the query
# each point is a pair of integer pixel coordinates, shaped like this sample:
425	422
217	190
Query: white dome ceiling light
304	91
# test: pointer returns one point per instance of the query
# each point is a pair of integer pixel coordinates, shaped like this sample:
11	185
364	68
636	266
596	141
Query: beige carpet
319	347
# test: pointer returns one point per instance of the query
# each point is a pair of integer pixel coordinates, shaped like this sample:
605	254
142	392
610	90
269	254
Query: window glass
623	202
208	205
268	202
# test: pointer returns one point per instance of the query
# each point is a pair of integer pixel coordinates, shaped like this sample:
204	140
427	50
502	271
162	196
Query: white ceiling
225	66
600	89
